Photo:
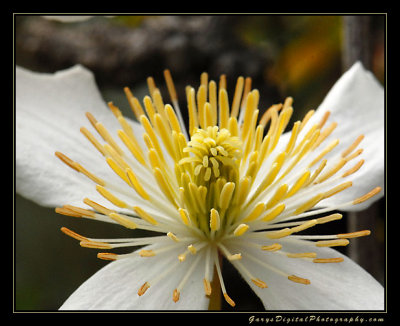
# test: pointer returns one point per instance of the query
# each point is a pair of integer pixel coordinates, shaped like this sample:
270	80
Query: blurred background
285	55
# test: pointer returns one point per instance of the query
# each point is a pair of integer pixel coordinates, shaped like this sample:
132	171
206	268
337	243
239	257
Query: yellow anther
235	257
97	207
144	215
107	137
255	213
274	213
109	196
223	108
184	216
226	195
259	283
237	97
229	300
298	184
207	286
118	170
328	260
182	257
332	171
240	229
67	212
172	236
95	244
173	120
73	234
279	193
133	148
353	146
279	234
175	295
215	221
93	140
67	160
273	247
302	255
143	288
136	184
163	184
124	221
332	243
297	279
338	189
367	196
304	226
329	148
134	103
329	218
354	169
309	204
107	256
192	249
147	253
357	234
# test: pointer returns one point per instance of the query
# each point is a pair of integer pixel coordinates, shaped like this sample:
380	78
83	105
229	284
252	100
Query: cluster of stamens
226	182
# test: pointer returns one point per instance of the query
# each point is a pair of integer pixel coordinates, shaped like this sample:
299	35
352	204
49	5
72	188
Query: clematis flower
233	184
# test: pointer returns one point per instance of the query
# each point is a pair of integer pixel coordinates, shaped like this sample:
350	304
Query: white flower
238	187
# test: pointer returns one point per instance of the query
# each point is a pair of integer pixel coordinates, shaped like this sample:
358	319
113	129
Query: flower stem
215	297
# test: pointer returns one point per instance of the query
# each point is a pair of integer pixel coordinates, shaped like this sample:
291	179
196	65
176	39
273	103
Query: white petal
334	286
115	286
50	109
356	103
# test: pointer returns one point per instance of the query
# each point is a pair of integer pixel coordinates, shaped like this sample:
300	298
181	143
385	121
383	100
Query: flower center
209	173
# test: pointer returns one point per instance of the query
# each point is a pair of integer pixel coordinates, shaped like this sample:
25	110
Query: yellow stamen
280	192
357	234
240	230
352	146
136	185
93	140
354	169
207	286
223	108
143	288
107	256
226	195
229	300
95	244
259	283
109	196
97	207
215	222
332	243
367	196
329	218
279	233
308	204
124	221
274	213
328	260
170	85
134	103
302	255
144	215
297	279
273	247
255	213
147	253
73	234
175	295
